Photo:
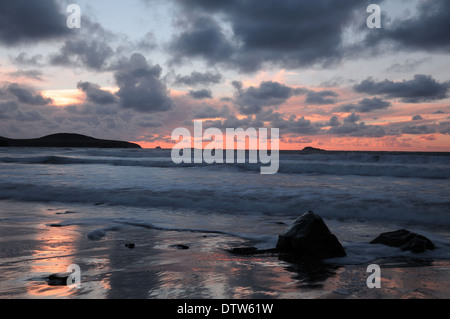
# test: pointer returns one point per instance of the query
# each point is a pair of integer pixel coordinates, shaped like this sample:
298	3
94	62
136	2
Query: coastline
66	140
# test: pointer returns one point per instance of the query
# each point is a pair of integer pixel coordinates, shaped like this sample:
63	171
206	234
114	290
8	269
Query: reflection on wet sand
54	253
429	283
153	269
156	268
217	274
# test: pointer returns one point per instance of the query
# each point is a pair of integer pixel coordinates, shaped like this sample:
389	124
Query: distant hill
312	149
65	140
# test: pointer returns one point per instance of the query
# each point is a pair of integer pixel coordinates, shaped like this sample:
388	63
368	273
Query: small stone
243	251
56	225
66	212
179	246
58	279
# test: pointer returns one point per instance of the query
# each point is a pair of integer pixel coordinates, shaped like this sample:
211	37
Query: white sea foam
411	188
414	165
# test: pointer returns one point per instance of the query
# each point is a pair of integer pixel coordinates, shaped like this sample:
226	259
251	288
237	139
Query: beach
224	150
139	227
168	264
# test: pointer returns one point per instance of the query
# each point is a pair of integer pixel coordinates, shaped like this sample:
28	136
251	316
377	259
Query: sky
136	70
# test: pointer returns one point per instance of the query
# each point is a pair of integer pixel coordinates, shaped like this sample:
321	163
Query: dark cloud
149	122
211	112
428	137
90	47
420	89
140	86
350	128
321	98
287	33
98	102
231	121
419	129
6	108
91	109
352	118
427	30
293	34
28	116
95	94
294	139
198	78
27	95
23	21
417	118
365	105
200	94
302	126
24	59
237	85
203	37
407	66
252	99
431	128
334	121
31	74
147	43
334	81
444	128
292	124
89	53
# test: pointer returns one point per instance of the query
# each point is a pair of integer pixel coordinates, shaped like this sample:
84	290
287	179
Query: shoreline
171	264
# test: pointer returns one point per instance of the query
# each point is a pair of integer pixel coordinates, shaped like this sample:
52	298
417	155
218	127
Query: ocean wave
382	207
66	160
410	166
367	169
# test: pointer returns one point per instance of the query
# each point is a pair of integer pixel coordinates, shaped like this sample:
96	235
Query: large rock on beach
406	240
309	237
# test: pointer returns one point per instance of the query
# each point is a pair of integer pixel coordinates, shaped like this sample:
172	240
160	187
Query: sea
358	194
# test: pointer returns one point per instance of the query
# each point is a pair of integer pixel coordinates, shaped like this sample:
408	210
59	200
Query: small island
311	149
66	140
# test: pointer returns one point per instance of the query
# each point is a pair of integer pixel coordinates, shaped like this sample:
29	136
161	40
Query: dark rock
57	225
58	279
130	245
406	240
179	246
309	237
250	251
66	212
245	251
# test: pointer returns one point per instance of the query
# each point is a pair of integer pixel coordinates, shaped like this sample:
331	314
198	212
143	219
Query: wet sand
187	265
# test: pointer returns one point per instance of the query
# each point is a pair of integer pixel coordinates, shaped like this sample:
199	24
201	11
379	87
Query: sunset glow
141	86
